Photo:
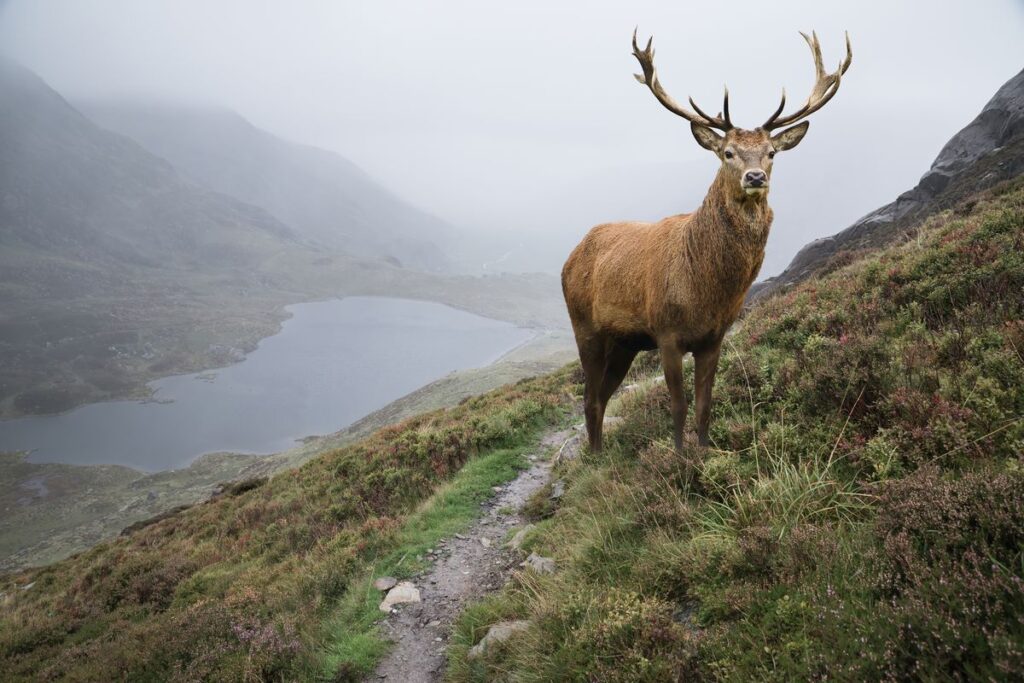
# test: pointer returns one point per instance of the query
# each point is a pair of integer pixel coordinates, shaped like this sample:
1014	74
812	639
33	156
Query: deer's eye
771	154
728	154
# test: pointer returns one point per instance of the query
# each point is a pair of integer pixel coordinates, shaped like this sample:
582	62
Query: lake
332	363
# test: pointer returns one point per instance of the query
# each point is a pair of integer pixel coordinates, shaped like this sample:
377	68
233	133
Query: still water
332	363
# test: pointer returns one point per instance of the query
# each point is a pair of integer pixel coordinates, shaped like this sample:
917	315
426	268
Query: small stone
629	388
439	640
485	542
385	583
569	450
517	540
403	592
434	624
498	633
557	490
460	536
496	489
539	564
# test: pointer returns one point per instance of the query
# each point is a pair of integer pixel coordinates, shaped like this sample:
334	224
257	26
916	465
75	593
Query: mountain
324	197
988	150
111	261
94	205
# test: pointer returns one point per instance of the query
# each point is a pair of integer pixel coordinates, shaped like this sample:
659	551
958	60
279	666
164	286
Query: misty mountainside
116	268
83	207
324	197
988	150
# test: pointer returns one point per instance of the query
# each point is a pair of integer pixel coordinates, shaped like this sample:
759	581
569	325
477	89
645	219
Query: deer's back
612	279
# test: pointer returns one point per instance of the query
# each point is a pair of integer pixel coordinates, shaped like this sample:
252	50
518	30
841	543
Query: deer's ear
706	138
791	137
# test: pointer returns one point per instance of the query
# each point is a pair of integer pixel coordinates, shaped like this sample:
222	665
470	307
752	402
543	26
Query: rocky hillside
324	197
989	150
859	516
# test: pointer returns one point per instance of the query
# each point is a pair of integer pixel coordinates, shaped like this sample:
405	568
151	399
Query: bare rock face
498	633
403	592
989	150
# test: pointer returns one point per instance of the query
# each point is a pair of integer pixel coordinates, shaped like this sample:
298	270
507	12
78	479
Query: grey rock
569	450
385	583
988	150
520	536
557	489
404	592
498	633
539	564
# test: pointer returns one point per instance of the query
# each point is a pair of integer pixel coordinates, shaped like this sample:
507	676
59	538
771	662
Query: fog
523	119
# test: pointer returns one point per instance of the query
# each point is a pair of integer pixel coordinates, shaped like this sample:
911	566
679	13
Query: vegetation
860	516
247	586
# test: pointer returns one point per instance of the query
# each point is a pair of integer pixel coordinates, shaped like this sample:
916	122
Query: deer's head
747	155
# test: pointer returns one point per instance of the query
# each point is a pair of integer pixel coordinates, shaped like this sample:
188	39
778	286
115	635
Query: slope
859	516
987	151
323	196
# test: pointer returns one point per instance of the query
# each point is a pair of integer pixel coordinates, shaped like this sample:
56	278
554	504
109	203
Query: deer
677	285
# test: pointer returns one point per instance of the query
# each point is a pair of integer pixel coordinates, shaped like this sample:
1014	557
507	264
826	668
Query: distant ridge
324	197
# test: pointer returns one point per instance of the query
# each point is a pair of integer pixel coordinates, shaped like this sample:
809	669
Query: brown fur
676	285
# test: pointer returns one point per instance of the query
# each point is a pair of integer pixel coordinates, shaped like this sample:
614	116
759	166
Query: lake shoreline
333	362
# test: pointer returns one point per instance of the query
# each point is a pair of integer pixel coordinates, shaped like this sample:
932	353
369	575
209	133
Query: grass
859	516
354	643
256	585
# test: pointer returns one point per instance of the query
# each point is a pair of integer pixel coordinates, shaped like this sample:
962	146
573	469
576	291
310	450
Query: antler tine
650	79
725	107
825	85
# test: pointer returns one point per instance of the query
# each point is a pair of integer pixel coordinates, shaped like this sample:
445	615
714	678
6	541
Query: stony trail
466	567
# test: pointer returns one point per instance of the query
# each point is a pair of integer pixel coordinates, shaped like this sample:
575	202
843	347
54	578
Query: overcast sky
482	112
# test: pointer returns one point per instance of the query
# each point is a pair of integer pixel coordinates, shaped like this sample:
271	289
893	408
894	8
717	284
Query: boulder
539	564
385	583
403	592
569	450
498	633
520	536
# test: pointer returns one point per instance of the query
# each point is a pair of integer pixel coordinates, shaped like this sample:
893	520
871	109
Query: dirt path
465	570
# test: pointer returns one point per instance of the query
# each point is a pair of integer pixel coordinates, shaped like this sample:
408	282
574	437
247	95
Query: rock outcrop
989	150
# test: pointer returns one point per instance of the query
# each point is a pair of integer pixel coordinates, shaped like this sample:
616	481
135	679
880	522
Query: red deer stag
678	284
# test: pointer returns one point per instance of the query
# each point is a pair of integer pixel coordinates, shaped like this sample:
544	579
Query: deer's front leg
705	366
672	363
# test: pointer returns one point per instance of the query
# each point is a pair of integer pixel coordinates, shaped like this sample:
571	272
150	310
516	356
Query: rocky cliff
988	150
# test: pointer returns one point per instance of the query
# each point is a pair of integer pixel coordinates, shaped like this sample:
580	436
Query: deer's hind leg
620	358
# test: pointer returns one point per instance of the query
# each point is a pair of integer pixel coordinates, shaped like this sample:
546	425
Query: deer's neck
733	219
726	236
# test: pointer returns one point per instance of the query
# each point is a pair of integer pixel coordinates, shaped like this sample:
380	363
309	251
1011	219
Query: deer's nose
755	178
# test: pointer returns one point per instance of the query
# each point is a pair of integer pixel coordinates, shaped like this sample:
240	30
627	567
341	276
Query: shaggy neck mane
740	220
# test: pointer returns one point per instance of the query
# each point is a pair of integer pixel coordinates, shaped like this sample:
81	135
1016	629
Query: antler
650	79
825	86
